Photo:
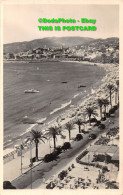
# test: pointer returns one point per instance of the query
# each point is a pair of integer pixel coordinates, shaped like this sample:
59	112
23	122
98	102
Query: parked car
78	137
101	126
92	136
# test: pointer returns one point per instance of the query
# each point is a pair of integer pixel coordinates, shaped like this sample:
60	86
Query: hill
98	42
49	42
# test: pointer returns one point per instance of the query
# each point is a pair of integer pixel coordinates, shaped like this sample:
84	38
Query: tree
69	127
117	83
116	95
104	58
110	87
36	137
105	103
90	111
53	132
79	122
100	103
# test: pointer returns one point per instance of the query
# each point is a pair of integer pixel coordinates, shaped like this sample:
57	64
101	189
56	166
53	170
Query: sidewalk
10	173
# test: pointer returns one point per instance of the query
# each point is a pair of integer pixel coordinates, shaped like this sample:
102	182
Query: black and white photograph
61	96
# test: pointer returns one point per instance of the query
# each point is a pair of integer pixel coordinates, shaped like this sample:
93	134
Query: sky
20	21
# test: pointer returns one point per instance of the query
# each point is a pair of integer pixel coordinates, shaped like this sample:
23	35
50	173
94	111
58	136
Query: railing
12	155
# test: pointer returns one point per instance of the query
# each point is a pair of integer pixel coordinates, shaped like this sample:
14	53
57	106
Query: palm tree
116	94
117	83
105	103
90	111
110	87
79	122
100	103
69	127
53	132
36	137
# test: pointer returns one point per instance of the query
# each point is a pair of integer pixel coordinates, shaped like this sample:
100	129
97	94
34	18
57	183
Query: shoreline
62	110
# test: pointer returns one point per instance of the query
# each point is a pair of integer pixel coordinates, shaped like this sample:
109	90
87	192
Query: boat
81	86
64	82
31	91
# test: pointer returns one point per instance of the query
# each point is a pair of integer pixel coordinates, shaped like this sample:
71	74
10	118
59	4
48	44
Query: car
78	137
92	136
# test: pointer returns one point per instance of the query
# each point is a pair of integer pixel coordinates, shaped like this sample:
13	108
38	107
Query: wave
76	95
41	120
93	91
62	106
27	130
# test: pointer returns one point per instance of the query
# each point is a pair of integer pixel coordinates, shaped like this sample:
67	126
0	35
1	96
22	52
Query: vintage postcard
61	97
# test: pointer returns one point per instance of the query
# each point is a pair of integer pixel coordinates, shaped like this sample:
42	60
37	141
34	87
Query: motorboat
31	91
81	86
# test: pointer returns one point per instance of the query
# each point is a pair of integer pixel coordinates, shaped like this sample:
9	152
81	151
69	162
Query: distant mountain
99	42
49	42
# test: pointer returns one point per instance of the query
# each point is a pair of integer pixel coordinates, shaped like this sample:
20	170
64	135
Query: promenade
46	170
10	173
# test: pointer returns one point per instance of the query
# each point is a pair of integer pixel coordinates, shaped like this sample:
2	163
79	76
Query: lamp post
49	145
21	148
31	161
21	158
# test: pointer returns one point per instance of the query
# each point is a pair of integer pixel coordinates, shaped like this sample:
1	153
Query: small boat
64	82
31	91
81	86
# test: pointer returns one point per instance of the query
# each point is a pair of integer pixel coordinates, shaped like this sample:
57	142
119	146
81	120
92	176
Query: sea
58	85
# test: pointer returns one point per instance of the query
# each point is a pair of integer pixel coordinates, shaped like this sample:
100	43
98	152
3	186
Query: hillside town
104	51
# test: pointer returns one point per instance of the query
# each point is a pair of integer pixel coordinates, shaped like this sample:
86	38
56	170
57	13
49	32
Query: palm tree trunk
36	144
90	120
105	110
54	139
69	135
100	112
110	99
79	128
116	98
